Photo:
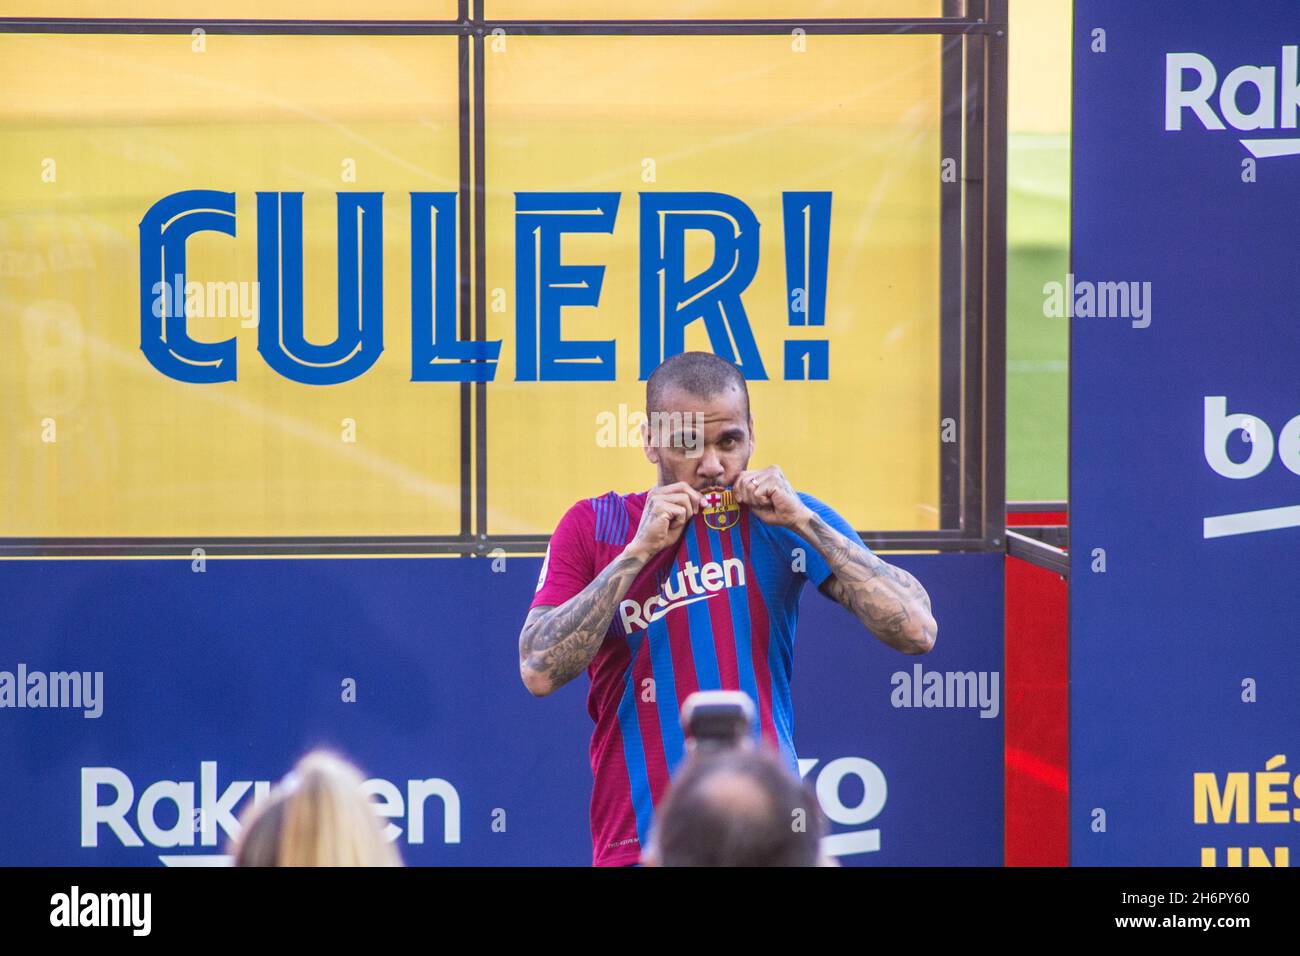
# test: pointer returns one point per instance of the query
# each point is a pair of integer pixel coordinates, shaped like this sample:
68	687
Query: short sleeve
818	570
569	565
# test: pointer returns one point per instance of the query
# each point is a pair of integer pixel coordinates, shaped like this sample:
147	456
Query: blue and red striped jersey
715	612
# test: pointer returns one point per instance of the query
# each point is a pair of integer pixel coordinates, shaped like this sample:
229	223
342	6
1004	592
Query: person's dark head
739	807
699	427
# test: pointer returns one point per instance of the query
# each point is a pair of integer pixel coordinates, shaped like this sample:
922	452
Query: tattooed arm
557	643
889	601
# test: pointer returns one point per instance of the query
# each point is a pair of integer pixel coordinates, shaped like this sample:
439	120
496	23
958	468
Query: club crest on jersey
721	511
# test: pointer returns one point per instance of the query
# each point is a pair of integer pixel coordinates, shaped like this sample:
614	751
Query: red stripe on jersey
759	637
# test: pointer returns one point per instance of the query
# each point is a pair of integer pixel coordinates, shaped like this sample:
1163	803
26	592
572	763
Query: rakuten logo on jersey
1271	102
692	583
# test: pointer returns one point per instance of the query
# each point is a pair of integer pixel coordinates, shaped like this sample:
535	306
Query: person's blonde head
316	816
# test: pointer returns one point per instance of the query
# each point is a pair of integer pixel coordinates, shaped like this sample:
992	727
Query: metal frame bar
1057	535
466	300
478	25
480	278
994	450
1020	507
1037	552
973	322
950	277
972	299
409	545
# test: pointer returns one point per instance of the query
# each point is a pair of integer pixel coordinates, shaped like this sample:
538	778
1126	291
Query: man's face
701	441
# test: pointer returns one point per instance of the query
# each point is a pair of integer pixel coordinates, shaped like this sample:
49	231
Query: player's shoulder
830	516
611	499
816	504
607	515
822	510
616	515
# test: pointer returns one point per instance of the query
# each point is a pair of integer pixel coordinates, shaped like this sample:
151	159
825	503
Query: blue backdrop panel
1184	656
243	665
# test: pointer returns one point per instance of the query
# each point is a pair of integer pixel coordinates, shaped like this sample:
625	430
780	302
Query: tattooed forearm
557	643
889	601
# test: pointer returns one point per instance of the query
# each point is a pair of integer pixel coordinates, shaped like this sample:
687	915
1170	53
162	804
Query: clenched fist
770	496
667	510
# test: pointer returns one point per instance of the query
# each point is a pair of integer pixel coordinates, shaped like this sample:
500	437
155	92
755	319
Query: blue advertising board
213	682
1185	433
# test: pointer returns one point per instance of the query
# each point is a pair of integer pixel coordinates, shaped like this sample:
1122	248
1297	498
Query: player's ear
650	448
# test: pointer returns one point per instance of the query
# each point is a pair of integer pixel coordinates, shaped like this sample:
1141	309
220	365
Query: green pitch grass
1038	218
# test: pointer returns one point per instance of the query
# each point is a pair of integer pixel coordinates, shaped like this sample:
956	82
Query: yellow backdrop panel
752	117
96	129
127	120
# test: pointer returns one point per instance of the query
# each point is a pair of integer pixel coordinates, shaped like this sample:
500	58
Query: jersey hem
619	858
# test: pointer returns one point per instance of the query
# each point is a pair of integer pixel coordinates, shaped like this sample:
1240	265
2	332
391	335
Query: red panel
1035	518
1037	709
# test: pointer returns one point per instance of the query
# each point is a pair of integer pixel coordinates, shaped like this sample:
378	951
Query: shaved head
700	374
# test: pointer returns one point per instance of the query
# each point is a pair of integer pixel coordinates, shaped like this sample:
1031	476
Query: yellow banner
97	130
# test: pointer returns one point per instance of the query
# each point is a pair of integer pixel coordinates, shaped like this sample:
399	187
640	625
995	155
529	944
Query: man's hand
667	510
770	496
